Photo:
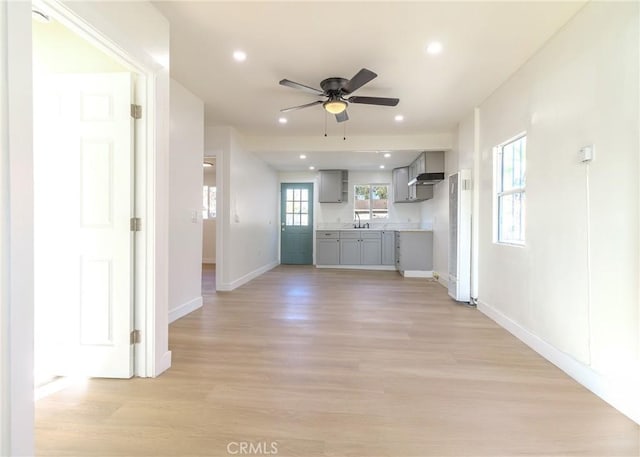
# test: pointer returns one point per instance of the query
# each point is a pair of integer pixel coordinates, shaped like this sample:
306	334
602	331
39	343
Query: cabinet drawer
321	234
374	235
350	235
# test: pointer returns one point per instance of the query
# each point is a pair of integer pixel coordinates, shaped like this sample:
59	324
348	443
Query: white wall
247	210
16	318
580	89
185	201
209	225
5	395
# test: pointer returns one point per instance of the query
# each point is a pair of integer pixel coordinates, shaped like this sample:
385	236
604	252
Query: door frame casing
142	255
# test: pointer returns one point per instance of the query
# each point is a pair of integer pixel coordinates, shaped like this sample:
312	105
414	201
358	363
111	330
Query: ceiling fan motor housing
333	86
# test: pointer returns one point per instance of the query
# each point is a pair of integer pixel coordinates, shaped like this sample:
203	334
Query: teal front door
296	223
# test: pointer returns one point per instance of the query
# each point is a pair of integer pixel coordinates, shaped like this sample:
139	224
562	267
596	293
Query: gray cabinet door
371	251
400	187
416	251
330	186
350	251
328	252
388	248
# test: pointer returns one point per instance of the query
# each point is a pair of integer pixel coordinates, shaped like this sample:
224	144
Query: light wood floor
338	363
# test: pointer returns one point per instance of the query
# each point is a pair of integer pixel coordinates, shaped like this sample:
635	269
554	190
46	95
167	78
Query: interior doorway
209	225
83	201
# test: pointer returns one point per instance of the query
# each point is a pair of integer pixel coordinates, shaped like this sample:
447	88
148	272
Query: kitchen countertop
375	230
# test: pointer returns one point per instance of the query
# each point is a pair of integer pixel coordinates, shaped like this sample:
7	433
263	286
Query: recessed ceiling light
240	56
282	120
433	48
312	167
387	155
399	118
302	156
381	166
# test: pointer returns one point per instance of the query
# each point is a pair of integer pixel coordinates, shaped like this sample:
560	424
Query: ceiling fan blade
360	79
374	100
294	85
343	116
306	105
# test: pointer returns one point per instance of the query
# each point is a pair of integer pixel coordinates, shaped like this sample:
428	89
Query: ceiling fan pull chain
344	132
325	123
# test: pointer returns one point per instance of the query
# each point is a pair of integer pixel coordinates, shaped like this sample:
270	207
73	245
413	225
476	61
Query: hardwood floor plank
337	363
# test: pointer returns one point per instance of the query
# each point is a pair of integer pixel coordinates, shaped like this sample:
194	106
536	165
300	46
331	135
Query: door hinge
136	111
135	224
134	337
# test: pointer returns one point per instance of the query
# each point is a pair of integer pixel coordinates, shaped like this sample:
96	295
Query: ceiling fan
335	90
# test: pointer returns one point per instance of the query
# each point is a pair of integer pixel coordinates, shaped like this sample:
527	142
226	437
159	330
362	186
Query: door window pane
297	207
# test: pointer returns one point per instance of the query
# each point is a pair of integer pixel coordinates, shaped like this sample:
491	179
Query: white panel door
83	205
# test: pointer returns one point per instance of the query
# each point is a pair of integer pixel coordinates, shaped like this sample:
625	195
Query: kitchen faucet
357	226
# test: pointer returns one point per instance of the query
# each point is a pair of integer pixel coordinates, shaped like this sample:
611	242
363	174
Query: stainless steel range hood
427	178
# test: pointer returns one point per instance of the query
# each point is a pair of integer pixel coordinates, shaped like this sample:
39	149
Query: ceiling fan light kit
335	89
334	106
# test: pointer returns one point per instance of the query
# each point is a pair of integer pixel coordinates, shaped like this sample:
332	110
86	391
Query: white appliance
460	235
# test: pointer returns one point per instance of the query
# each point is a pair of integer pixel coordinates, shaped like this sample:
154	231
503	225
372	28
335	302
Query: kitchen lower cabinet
350	248
414	252
360	247
327	248
370	248
388	248
411	251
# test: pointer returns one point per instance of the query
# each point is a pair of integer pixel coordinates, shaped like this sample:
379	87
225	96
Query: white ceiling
484	43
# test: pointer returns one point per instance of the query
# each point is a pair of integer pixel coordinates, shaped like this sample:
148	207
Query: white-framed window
208	202
510	185
371	201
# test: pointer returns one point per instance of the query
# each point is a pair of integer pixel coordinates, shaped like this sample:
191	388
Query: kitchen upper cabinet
327	248
400	180
418	166
388	248
334	185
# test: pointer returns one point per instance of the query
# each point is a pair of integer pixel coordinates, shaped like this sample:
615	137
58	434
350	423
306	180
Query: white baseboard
417	274
621	393
209	261
360	267
225	287
185	309
163	364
